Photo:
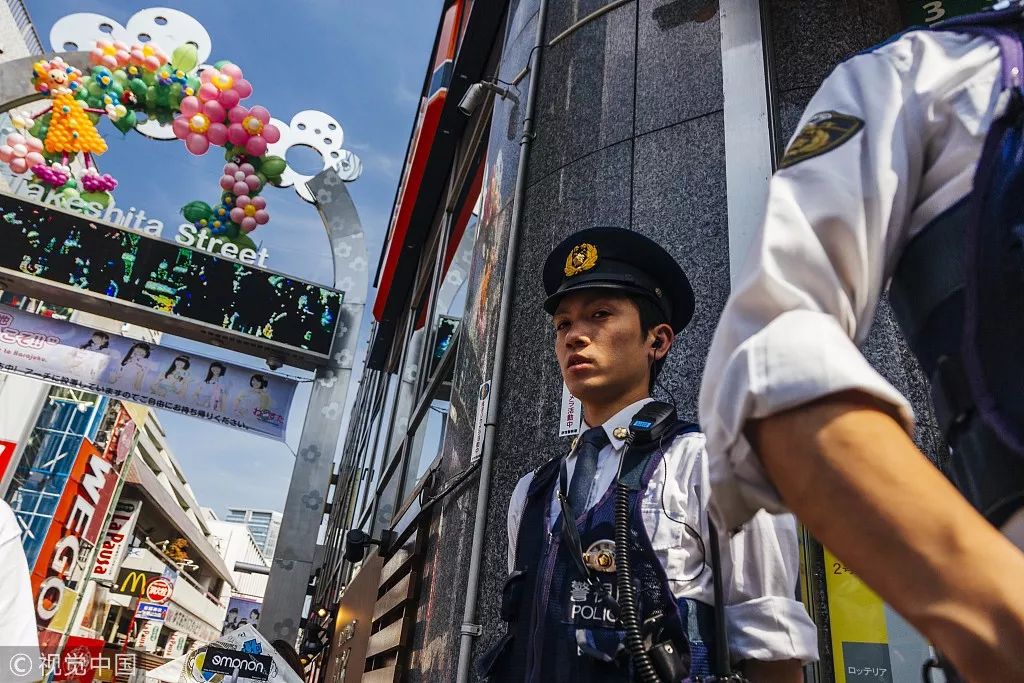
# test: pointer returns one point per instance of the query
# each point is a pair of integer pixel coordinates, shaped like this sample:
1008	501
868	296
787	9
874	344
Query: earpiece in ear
656	344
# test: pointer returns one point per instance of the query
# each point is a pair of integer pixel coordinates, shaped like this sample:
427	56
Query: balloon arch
138	83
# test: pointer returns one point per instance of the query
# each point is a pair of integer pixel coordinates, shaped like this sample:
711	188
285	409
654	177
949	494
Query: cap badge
581	258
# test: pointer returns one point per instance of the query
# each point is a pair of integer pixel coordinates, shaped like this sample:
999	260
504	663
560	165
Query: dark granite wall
630	134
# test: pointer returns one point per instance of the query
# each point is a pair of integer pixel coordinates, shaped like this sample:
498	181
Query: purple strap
994	26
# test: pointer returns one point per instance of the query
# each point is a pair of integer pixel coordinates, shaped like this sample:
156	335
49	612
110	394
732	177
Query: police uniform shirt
760	563
915	114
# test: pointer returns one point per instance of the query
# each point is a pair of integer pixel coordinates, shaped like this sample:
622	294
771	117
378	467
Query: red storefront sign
120	442
85	497
6	453
78	659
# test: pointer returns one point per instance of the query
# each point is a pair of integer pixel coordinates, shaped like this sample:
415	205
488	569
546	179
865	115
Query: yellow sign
857	614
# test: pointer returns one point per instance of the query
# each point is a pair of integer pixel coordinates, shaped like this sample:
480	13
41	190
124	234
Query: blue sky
361	62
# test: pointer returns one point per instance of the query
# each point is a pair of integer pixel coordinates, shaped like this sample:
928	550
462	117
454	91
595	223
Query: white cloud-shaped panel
163	26
322	132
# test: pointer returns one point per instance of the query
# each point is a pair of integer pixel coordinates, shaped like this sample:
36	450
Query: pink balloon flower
200	124
112	54
250	212
225	85
148	56
252	129
22	152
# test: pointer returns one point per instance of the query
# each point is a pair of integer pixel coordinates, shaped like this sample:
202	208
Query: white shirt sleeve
807	293
515	515
761	566
17	611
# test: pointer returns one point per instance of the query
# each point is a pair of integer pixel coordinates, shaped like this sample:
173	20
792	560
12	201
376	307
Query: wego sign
81	501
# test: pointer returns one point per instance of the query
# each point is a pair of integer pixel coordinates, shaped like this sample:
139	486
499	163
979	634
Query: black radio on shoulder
651	421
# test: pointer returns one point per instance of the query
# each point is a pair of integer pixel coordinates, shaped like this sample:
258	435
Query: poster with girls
62	352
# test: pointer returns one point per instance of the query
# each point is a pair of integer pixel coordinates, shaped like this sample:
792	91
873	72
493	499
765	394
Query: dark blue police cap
616	258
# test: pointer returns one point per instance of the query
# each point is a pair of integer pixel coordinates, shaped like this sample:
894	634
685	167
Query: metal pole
470	629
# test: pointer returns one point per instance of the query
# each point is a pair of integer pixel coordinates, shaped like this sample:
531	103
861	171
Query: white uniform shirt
760	564
834	229
17	612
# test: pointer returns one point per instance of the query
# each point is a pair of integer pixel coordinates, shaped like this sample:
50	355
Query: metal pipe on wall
470	629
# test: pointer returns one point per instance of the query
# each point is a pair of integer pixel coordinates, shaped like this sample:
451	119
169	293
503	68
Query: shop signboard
870	642
249	665
134	582
246	639
180	619
6	454
116	539
61	352
148	635
79	660
151	611
66	541
104	268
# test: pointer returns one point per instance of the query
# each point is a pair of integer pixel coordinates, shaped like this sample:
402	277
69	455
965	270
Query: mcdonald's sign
133	582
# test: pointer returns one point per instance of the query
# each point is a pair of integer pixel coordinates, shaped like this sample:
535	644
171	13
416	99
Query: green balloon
244	241
196	211
138	86
233	230
71	182
101	198
149	77
150	98
185	57
126	122
272	166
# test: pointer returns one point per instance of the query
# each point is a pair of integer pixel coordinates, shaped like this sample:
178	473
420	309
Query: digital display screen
166	278
446	327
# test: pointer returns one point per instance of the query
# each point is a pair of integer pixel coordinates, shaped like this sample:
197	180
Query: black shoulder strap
638	456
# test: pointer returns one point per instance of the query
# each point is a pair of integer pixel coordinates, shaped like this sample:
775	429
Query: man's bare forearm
856	480
784	671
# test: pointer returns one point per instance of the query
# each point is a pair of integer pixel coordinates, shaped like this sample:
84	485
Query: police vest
958	295
557	626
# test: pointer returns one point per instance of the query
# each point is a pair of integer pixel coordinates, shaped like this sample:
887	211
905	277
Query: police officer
616	301
877	184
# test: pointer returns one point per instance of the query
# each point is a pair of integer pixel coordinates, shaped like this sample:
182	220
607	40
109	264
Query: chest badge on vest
822	133
600	556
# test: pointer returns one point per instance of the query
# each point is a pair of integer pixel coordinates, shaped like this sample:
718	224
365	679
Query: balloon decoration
133	84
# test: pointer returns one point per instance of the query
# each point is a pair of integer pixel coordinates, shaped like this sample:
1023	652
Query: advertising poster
65	353
241	611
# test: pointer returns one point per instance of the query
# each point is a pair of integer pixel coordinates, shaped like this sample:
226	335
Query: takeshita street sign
106	269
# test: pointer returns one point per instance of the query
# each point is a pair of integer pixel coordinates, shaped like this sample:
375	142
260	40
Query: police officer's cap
620	259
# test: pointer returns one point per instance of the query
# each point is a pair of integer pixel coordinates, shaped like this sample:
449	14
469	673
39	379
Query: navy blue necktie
590	444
